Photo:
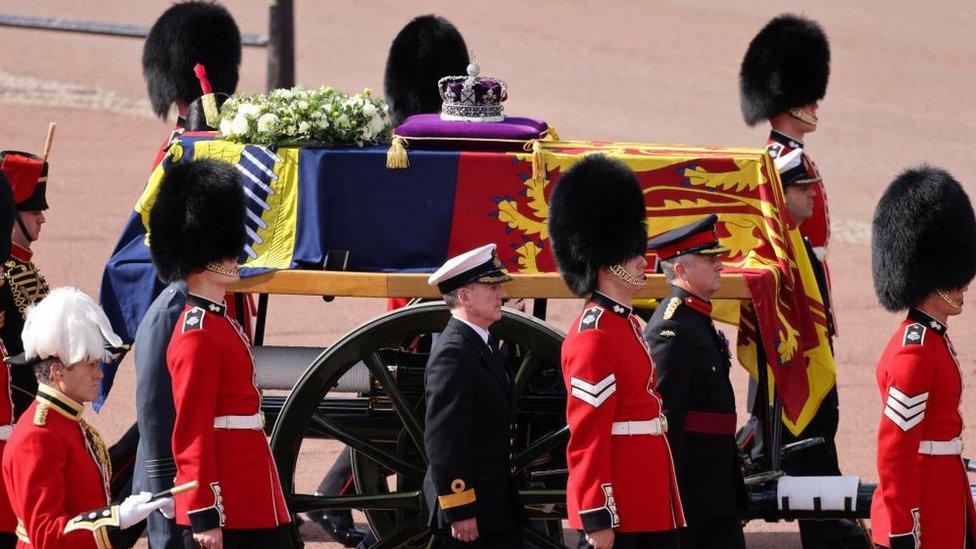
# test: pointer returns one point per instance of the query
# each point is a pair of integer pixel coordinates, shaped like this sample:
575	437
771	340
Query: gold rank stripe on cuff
457	500
97	522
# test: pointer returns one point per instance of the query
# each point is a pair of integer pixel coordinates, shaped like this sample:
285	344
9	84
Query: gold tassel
538	162
210	112
552	134
396	156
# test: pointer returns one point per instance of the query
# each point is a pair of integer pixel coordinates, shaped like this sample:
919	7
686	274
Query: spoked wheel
366	391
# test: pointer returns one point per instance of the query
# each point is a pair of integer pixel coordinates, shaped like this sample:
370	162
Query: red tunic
8	520
621	481
55	471
817	228
922	500
212	372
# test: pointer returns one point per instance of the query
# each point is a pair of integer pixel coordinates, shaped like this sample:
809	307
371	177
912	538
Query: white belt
6	431
650	427
254	421
940	447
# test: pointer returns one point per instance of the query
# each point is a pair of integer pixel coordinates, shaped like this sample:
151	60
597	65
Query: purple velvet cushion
465	135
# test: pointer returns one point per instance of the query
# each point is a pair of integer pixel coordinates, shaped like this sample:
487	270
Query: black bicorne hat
197	218
923	238
184	35
787	65
597	218
426	50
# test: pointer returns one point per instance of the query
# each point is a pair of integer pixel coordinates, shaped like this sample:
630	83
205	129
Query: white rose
267	122
304	126
376	124
249	110
284	94
240	125
225	126
343	120
322	123
303	105
369	109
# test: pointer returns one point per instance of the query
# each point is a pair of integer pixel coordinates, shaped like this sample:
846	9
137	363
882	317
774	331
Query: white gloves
137	507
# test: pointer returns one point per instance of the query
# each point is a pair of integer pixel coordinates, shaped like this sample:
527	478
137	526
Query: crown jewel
473	98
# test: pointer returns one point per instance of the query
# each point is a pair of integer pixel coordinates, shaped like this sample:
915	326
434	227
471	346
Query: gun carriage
366	389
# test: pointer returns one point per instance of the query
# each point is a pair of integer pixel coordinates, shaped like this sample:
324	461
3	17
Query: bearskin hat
8	212
426	50
184	35
787	65
923	238
197	218
597	218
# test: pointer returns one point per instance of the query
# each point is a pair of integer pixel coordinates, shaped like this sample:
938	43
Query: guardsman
56	466
923	258
197	235
8	521
427	49
187	34
621	490
692	362
471	412
783	78
23	284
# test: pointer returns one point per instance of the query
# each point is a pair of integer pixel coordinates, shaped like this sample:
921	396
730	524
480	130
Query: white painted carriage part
835	493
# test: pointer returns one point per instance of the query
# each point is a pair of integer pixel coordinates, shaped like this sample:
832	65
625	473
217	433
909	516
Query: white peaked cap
478	265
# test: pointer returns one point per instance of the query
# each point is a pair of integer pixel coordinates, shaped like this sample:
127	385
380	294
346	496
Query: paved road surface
901	93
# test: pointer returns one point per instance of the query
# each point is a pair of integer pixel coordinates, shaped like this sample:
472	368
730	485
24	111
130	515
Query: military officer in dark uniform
23	284
692	361
470	412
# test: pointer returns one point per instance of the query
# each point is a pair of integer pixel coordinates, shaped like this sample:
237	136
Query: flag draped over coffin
304	202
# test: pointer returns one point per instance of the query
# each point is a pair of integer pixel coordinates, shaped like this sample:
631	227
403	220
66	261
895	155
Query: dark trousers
821	460
505	539
260	538
713	534
639	540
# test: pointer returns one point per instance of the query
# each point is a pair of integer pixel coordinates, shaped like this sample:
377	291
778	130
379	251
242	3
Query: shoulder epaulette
914	334
193	320
671	307
590	319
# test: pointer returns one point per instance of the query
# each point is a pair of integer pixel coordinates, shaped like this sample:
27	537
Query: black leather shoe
341	531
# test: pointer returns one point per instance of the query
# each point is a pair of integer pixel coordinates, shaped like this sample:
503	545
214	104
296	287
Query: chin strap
621	273
804	116
221	270
948	299
23	229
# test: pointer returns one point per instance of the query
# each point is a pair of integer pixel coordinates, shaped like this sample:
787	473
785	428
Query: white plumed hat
69	325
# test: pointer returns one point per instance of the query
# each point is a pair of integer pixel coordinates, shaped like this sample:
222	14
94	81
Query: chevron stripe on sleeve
904	410
594	394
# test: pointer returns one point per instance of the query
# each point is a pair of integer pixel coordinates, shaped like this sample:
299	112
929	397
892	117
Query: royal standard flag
304	203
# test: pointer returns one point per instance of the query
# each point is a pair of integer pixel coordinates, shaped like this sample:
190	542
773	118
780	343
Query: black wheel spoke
539	540
539	447
525	370
369	449
410	531
379	369
303	503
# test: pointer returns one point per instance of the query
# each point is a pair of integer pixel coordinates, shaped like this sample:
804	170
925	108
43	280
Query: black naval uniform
469	421
693	362
23	286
